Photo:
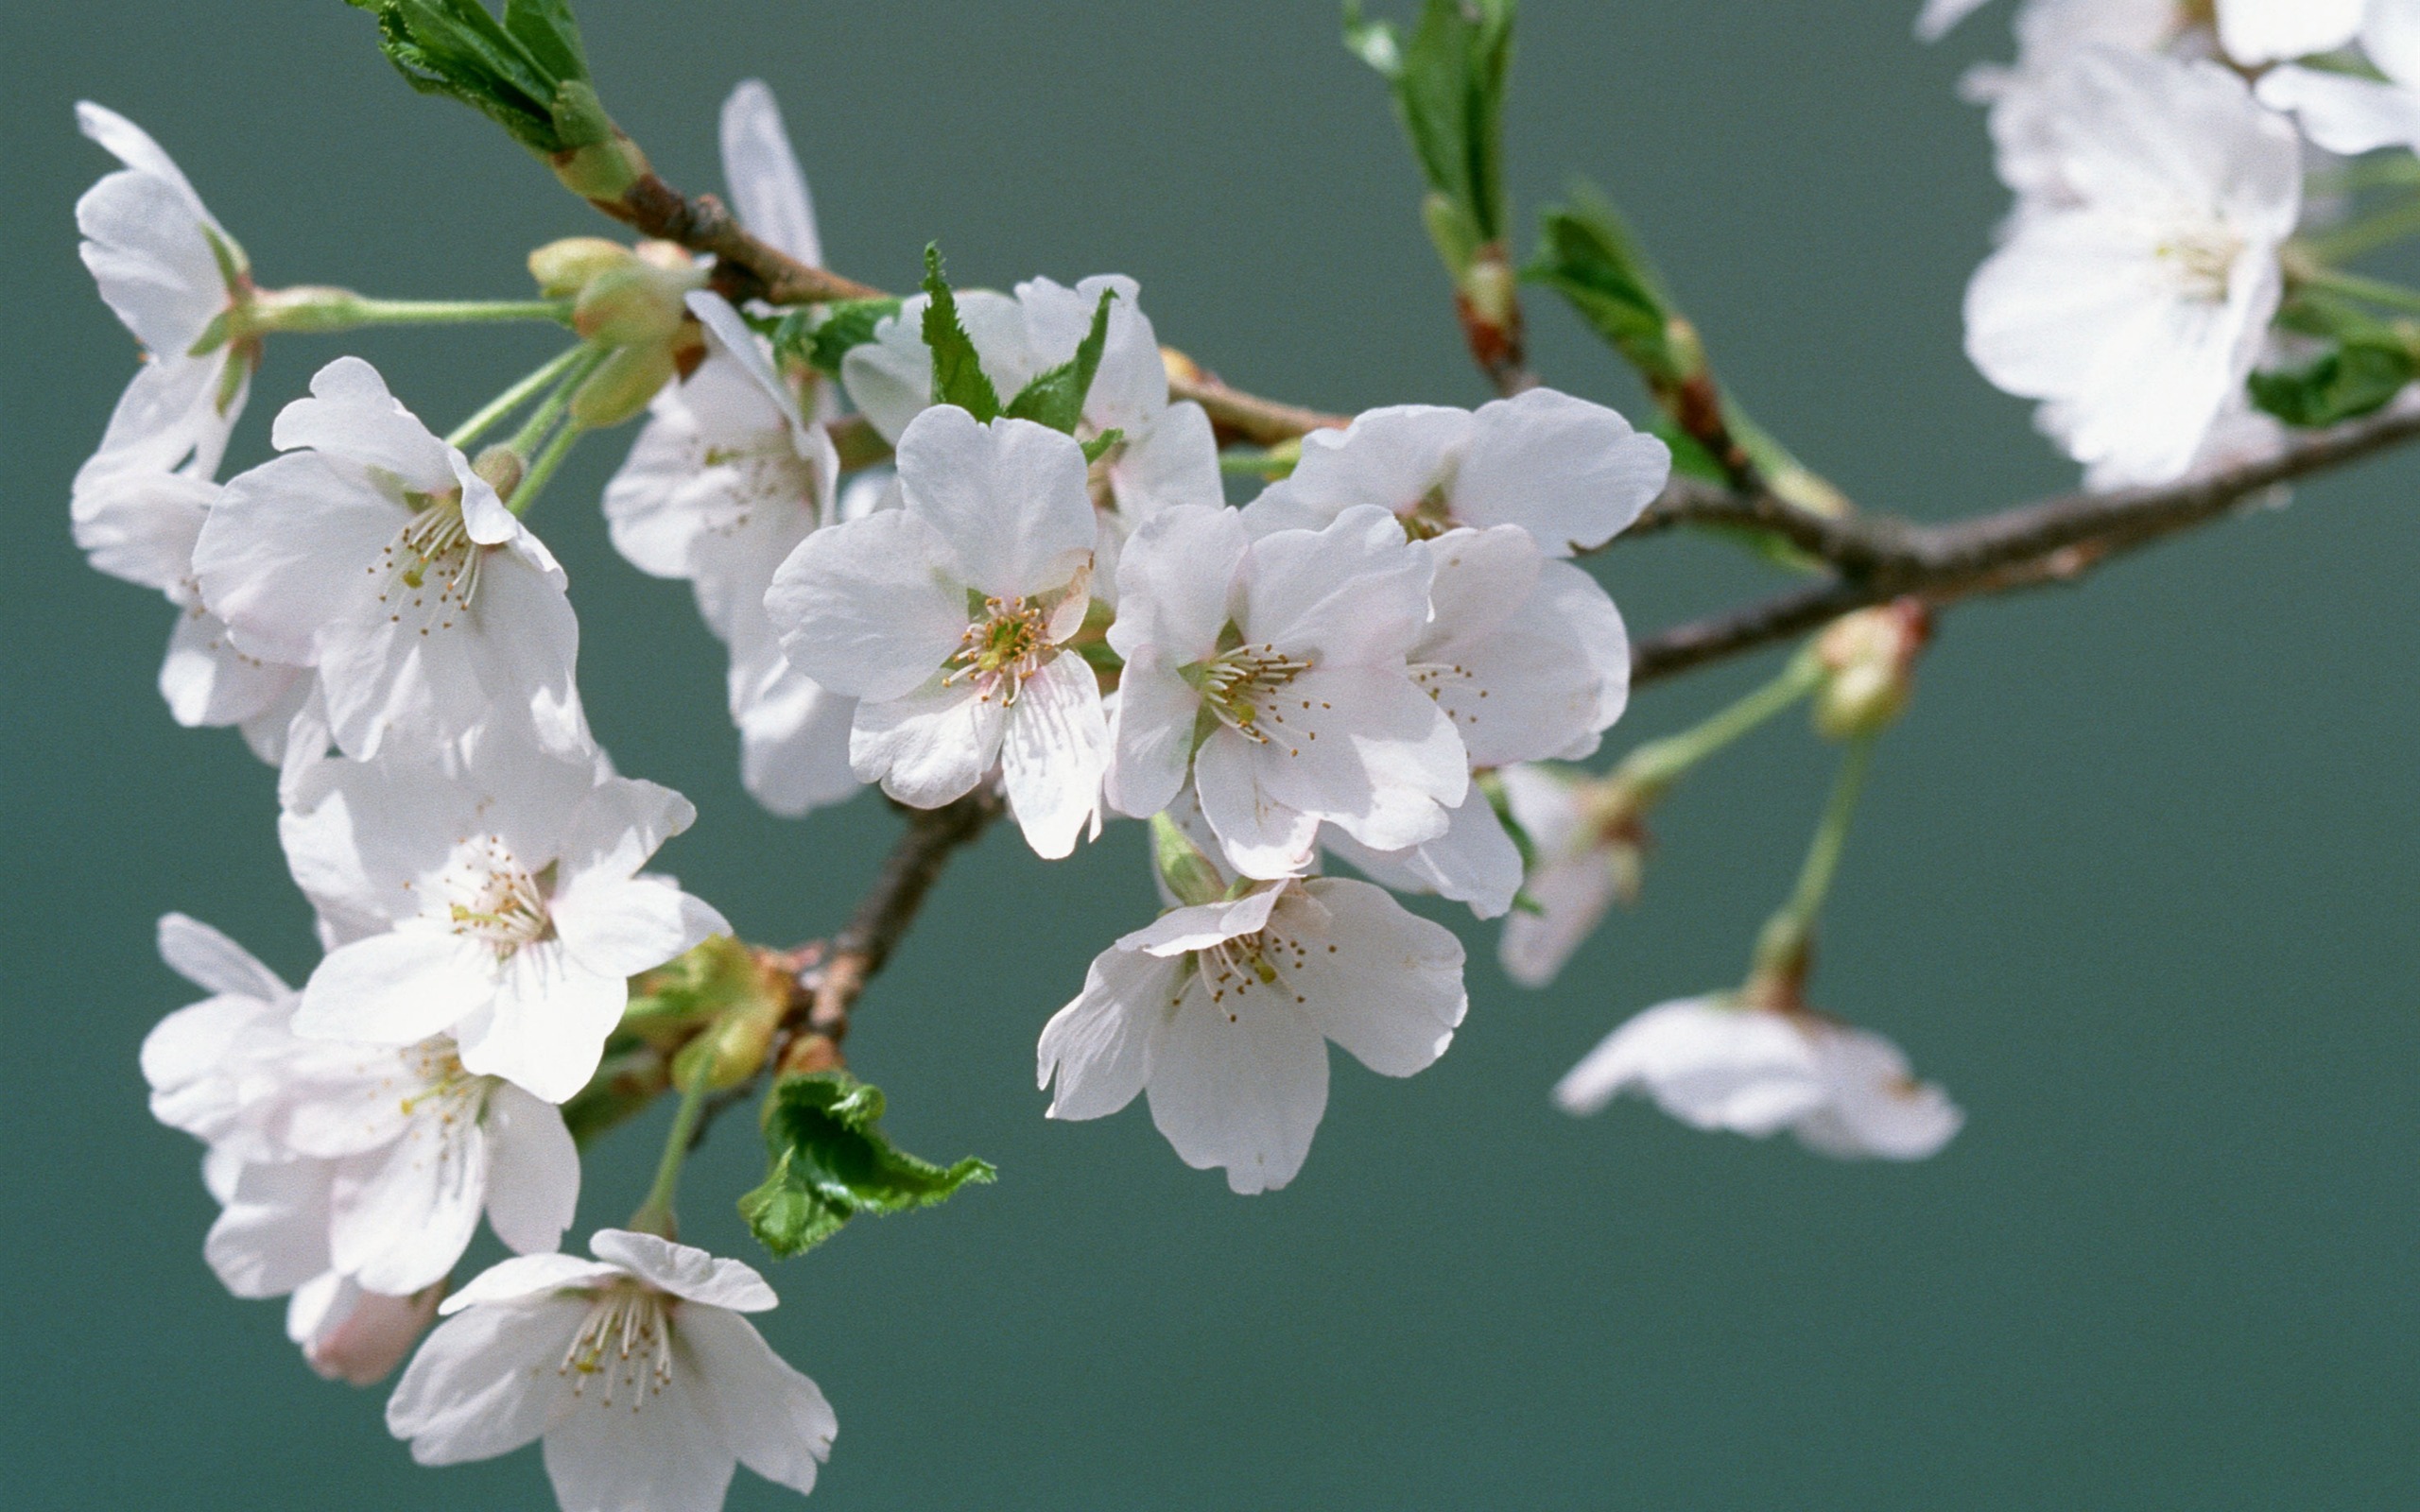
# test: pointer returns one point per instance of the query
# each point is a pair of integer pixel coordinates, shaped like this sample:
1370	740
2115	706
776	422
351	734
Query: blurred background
2136	881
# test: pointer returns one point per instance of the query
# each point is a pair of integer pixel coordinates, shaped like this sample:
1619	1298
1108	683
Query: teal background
2136	881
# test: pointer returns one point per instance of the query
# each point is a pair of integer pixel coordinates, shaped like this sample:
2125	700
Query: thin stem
2382	227
542	468
1659	763
1257	464
459	312
512	398
2395	170
655	1216
1781	951
542	419
2357	286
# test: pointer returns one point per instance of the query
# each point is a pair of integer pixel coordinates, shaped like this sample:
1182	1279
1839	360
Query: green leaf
1448	83
1193	878
957	372
516	70
831	1161
1056	398
2357	378
822	340
1587	254
1098	446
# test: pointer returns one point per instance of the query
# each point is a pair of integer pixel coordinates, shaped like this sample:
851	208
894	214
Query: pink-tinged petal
403	1215
533	1171
768	189
623	927
685	1270
215	963
361	1336
1389	458
929	747
769	1415
527	1278
397	989
285	549
141	526
1241	1082
351	414
1176	575
1571	895
547	1027
1010	497
1052	755
871	608
484	1383
1353	594
1152	741
667	1456
1098	1047
1261	836
1572	474
272	1236
1390	991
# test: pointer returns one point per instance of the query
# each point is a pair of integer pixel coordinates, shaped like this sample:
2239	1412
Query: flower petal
1010	497
1241	1083
1099	1045
1390	989
929	747
282	548
1572	474
1053	753
666	1457
685	1270
623	927
484	1383
772	1416
403	1215
767	187
533	1171
351	414
871	608
272	1236
396	988
545	1031
215	963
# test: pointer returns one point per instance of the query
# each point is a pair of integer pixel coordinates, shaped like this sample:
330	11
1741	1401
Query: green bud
638	303
1450	230
1869	663
1191	876
621	386
502	468
564	268
731	1050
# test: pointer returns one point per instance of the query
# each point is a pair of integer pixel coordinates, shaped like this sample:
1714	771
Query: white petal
404	1216
1052	755
396	988
1010	498
1176	575
141	526
170	416
929	747
213	962
1171	463
2265	31
618	825
1877	1109
1939	16
1364	749
685	1270
1571	895
1706	1063
533	1171
767	188
794	744
282	549
546	1028
665	1458
1389	458
623	927
484	1382
891	378
1391	989
1241	1083
1261	836
2344	114
147	250
1474	862
352	415
207	682
773	1418
871	608
1152	737
273	1235
530	1278
1099	1045
132	145
1572	474
1354	592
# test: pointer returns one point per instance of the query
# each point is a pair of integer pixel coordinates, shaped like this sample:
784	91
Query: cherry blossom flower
356	1336
500	903
2137	313
2027	121
1222	1012
1715	1064
730	474
948	619
1580	868
2344	112
367	1161
638	1369
169	271
2268	31
1572	474
1276	670
1529	660
373	552
1166	454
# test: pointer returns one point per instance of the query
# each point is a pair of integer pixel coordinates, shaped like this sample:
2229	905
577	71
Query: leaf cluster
1448	82
1588	254
2366	363
823	339
526	72
1055	398
831	1161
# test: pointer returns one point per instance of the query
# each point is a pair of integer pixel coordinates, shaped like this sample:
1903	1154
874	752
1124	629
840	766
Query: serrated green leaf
831	1161
1448	84
2355	379
958	370
1098	446
1587	254
822	340
1056	398
514	70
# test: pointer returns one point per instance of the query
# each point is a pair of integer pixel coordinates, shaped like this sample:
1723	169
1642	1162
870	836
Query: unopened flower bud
635	303
621	386
373	1337
1869	662
1180	367
1491	289
736	1046
501	466
564	267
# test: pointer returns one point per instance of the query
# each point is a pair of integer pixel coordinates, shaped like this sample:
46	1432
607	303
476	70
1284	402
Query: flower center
1231	969
628	1332
434	1072
431	567
2201	262
1238	686
497	900
767	473
1005	641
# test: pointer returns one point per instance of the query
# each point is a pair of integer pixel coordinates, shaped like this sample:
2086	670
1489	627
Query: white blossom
1715	1064
169	270
500	903
1529	660
948	618
637	1370
1577	871
1277	671
1222	1013
2268	31
2027	121
356	1336
1572	474
2347	113
374	553
2135	313
731	472
1166	455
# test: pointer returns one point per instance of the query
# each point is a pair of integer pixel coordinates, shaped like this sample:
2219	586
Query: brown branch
745	267
1238	416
